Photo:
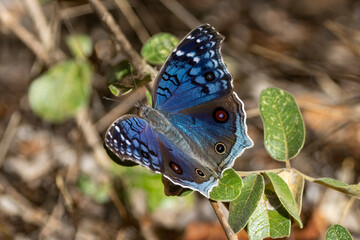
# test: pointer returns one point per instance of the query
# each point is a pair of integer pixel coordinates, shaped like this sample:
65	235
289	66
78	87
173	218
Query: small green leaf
338	232
283	124
229	187
121	78
243	207
98	192
158	48
80	45
353	190
60	92
270	218
149	97
284	194
295	182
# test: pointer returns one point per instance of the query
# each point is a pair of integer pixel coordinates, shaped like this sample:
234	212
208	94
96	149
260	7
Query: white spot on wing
196	59
179	53
190	54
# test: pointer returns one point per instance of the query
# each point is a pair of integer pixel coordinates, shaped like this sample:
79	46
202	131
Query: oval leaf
353	190
283	124
229	187
284	194
270	219
338	232
158	48
60	92
80	45
242	208
295	182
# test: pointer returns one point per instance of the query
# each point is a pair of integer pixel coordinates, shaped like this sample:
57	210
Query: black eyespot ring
200	173
209	76
220	148
220	115
176	168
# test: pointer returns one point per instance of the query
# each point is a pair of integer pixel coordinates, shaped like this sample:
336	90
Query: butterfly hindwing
218	129
132	138
194	73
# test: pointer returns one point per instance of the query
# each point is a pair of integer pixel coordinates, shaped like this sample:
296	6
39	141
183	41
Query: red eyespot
176	168
220	148
220	115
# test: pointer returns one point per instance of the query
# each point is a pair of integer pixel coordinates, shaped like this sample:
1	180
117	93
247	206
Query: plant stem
225	225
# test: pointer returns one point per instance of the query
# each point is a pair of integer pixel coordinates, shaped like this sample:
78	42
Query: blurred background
52	179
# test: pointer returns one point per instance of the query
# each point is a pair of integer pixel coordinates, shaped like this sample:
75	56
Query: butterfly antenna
139	102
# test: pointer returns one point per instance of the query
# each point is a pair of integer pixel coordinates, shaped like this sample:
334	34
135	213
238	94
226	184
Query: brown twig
92	138
9	135
11	23
182	13
41	24
139	64
222	219
133	20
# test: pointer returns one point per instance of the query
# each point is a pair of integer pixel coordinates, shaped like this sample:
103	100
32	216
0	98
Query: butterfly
196	128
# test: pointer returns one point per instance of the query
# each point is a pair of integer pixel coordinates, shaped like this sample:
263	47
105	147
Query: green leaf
149	97
338	232
98	192
283	124
229	187
80	45
270	218
60	92
284	194
243	207
122	78
353	190
158	48
295	182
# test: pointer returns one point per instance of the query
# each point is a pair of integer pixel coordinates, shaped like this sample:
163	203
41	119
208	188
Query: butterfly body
196	128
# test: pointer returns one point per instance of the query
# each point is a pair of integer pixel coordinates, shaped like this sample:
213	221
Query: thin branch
133	20
181	13
9	135
92	138
11	23
123	43
41	24
222	219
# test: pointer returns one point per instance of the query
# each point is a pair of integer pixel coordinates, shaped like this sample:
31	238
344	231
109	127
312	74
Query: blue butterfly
196	128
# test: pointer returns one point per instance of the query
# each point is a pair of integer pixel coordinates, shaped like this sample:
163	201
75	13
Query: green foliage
141	178
121	78
98	192
243	207
283	125
60	92
158	48
270	218
353	190
284	194
229	187
80	45
338	232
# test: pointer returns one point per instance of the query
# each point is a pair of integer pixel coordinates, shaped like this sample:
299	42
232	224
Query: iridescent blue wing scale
131	138
194	73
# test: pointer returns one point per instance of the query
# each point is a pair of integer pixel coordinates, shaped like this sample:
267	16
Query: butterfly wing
132	138
218	129
194	73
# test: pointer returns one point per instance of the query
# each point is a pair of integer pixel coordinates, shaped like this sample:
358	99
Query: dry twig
222	219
